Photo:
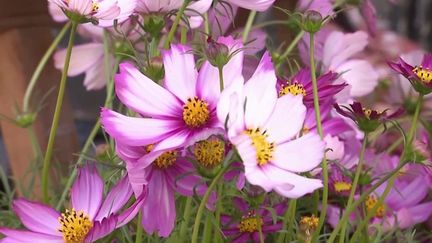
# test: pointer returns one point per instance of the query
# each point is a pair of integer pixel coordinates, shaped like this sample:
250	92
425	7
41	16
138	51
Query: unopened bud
155	70
312	21
217	54
25	120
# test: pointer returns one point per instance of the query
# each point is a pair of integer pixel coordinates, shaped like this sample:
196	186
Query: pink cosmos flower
265	129
90	217
179	114
336	52
301	84
164	173
86	58
104	12
246	229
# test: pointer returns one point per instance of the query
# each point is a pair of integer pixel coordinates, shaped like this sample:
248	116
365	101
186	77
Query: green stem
139	229
291	47
248	26
41	65
186	216
288	221
392	180
356	203
56	118
183	37
212	185
355	182
217	235
320	132
207	234
175	24
221	78
206	24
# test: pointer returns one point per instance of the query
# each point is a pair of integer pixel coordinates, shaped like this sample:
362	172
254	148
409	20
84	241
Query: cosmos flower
367	119
178	114
324	7
420	76
164	173
258	5
102	12
247	227
265	129
90	217
301	84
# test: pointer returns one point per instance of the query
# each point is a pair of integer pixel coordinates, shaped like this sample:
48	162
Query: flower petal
261	94
143	95
101	229
118	196
24	236
180	72
158	210
136	131
83	58
289	184
287	118
37	217
300	155
258	5
87	191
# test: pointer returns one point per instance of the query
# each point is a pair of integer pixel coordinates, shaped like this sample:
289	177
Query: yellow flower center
195	112
309	224
294	89
370	203
368	112
166	159
424	74
74	226
209	153
250	224
264	149
341	186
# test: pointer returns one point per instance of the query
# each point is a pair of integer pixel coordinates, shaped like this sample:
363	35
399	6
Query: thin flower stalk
56	118
320	132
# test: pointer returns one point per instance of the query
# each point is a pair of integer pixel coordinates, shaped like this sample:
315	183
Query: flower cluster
203	120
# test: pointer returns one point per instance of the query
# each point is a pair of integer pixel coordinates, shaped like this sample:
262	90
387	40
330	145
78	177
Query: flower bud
312	21
217	54
25	120
155	70
154	24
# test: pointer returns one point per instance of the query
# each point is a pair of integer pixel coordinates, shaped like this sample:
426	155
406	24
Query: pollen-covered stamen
166	160
264	149
74	226
195	112
209	153
294	89
250	223
368	112
95	6
424	74
370	203
308	225
342	186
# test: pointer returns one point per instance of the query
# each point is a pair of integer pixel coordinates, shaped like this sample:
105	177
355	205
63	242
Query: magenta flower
164	173
420	76
324	7
247	227
301	84
366	119
103	12
179	114
265	131
90	217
